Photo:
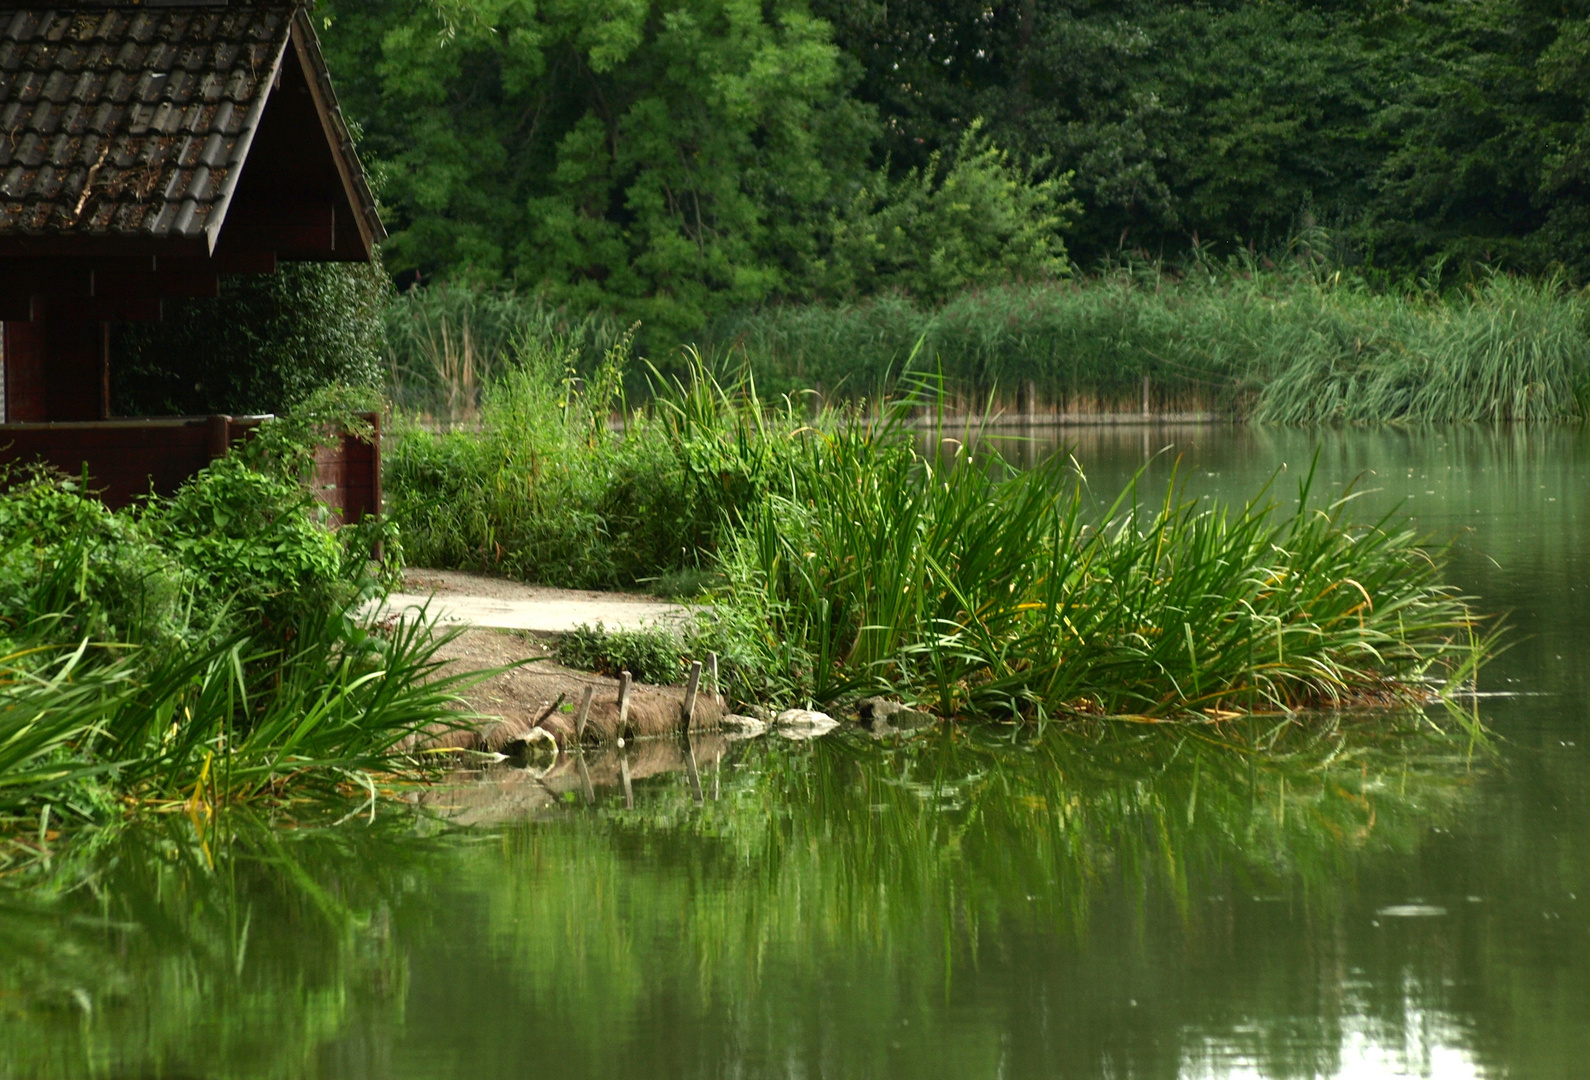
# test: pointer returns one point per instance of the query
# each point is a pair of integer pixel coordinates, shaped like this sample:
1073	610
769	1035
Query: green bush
263	346
63	554
976	219
548	492
651	656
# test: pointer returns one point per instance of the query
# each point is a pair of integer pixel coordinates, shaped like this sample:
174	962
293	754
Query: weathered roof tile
144	105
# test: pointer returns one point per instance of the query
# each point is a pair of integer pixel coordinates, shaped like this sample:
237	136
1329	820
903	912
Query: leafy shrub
650	655
977	219
547	492
62	553
263	346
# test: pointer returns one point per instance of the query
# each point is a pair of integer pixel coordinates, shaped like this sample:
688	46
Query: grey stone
742	727
803	724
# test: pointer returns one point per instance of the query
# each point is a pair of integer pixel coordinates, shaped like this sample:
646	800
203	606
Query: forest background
673	160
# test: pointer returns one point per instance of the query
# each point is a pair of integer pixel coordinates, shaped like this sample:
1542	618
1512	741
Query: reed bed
1293	346
1271	348
987	592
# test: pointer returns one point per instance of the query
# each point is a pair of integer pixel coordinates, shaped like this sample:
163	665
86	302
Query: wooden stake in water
691	688
1145	395
623	772
712	669
624	683
582	715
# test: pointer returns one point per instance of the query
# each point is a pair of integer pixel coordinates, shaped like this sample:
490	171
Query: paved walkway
451	596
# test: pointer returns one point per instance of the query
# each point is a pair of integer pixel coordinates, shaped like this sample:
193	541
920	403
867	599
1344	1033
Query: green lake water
1389	898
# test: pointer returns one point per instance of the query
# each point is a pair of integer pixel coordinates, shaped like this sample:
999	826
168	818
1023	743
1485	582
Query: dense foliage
674	159
200	649
841	560
265	345
667	161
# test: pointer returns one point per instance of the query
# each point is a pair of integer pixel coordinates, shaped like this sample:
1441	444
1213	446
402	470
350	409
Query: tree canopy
673	159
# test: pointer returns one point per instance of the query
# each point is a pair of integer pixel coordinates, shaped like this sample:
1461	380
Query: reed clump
1299	344
1264	346
986	592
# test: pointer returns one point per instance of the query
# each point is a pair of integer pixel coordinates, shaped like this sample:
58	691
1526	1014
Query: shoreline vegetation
1297	345
842	559
204	650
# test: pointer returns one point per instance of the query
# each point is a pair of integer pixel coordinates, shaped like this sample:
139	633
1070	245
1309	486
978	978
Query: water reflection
1122	903
1377	898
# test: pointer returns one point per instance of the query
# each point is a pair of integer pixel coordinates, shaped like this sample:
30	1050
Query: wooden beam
19	309
156	286
97	247
106	309
308	50
20	279
225	261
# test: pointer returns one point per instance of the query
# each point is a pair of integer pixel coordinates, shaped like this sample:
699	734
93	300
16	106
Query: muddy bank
540	693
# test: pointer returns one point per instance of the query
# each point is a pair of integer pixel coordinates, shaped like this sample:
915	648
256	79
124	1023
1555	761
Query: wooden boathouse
147	149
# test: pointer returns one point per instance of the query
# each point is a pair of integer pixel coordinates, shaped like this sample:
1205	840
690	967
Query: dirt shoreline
521	698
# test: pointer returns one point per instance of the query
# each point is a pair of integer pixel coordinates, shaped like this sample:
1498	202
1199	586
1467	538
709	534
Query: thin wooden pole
551	709
712	667
585	775
691	688
623	772
581	716
624	683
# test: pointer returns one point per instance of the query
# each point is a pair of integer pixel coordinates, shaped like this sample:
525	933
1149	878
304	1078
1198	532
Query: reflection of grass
871	879
901	863
234	953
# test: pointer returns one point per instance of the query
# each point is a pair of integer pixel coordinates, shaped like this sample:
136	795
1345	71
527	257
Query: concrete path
451	596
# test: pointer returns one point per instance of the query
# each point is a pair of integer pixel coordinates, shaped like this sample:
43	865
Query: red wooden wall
129	458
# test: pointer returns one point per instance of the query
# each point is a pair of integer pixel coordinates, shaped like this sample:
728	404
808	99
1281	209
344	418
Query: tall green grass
1262	346
1295	345
855	563
986	591
550	490
446	344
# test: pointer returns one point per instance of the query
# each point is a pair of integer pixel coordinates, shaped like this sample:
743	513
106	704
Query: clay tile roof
133	121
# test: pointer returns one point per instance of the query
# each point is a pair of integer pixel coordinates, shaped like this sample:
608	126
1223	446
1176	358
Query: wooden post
691	688
712	667
623	772
580	718
1145	397
218	436
551	709
624	682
